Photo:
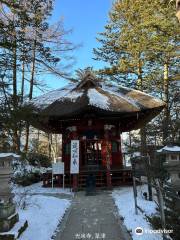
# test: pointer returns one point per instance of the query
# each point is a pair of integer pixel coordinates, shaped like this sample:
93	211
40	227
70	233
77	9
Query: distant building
172	164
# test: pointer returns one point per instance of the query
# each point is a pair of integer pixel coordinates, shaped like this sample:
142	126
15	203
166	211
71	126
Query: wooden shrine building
93	114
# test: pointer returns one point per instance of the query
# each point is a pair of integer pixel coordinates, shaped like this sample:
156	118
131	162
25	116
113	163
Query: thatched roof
90	96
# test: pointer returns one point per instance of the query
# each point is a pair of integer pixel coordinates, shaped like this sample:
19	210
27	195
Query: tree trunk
30	92
178	9
15	77
22	82
143	141
166	99
32	71
49	144
143	129
16	138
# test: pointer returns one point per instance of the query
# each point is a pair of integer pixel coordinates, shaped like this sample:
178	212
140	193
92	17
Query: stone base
7	210
8	223
15	234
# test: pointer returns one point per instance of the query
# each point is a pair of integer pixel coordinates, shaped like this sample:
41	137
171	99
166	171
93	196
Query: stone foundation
16	234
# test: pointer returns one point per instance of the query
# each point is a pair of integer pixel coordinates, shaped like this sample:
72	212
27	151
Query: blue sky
86	19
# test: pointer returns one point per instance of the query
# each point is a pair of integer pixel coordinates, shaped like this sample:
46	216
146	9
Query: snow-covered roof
91	95
112	98
46	99
136	154
169	149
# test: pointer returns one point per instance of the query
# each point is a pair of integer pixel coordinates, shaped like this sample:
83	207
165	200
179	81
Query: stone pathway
92	217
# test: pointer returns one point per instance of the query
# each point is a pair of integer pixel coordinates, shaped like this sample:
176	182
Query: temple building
91	116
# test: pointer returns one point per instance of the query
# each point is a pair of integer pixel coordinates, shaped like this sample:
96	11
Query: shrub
38	159
27	178
155	221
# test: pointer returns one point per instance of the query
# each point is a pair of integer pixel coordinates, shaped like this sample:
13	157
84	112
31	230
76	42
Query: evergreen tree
140	41
29	47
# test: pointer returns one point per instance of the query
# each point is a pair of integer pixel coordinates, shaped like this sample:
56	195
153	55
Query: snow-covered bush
38	159
26	174
27	178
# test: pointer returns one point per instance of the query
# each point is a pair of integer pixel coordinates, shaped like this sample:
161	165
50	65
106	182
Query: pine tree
139	42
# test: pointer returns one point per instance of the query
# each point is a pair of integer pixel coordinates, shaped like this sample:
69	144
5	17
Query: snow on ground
43	215
124	200
38	189
42	212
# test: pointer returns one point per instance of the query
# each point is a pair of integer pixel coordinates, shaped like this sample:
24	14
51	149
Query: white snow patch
136	154
43	215
169	149
115	92
125	202
97	99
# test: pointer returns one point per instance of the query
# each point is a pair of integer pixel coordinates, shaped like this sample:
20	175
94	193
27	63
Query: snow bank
43	215
38	189
42	211
125	203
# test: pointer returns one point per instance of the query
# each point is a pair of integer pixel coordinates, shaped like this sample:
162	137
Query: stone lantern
171	155
172	163
8	215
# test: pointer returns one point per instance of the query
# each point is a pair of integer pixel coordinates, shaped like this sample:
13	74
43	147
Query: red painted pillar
108	159
75	183
120	150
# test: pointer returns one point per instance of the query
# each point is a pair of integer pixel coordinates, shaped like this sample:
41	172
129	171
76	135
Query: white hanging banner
74	157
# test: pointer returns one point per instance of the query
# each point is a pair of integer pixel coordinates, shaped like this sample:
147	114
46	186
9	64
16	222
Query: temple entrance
91	153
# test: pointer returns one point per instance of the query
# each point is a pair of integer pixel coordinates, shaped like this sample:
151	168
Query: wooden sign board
74	157
58	168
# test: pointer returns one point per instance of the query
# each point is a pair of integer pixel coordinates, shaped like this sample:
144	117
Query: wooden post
63	180
108	178
135	195
52	179
75	183
161	207
149	177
